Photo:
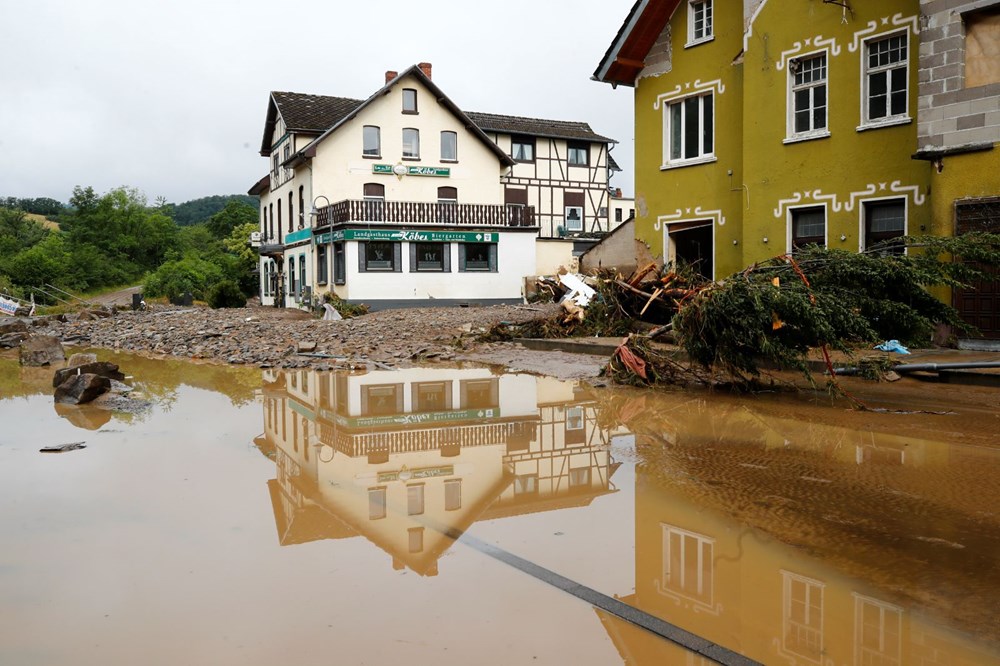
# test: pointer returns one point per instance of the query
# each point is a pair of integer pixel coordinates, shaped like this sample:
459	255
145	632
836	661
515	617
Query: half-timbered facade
363	192
765	126
561	168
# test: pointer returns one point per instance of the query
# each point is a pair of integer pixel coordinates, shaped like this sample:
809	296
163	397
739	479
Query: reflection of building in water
712	514
410	458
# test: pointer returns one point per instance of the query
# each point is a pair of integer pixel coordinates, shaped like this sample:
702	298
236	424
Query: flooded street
459	516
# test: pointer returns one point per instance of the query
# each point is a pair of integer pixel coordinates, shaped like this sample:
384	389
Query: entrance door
692	246
980	305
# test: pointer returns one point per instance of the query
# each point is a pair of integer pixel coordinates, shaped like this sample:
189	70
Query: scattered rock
99	368
81	359
80	389
63	448
10	340
306	347
39	350
8	326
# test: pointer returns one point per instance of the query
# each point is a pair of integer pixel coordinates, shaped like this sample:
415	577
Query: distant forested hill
199	210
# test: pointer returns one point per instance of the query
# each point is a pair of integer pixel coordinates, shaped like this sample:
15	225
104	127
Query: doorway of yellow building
691	244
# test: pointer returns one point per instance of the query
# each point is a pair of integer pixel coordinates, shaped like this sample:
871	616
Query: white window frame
790	228
579	224
444	134
889	120
416	135
675	583
886	648
708	29
791	135
702	157
790	622
378	142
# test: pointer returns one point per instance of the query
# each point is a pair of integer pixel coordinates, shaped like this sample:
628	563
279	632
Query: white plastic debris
579	292
331	313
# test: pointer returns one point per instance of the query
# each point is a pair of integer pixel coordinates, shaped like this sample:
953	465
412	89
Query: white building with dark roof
361	192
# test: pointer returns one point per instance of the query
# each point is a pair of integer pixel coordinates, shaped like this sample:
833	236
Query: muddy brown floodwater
269	517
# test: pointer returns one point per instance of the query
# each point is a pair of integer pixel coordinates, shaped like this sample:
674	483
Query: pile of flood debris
771	315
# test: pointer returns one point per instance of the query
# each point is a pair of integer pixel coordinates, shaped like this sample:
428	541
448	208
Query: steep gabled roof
260	186
626	56
305	114
554	129
416	72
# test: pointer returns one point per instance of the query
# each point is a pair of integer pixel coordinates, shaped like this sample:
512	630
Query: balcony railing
414	213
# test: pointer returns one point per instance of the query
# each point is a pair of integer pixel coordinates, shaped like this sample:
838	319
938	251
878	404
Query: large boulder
99	368
39	350
80	389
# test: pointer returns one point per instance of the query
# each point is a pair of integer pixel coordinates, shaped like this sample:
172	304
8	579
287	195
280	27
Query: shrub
346	310
226	294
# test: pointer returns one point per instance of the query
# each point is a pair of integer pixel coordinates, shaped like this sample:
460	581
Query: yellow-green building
772	124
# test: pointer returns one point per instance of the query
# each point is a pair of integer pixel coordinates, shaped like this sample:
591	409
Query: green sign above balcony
403	170
409	236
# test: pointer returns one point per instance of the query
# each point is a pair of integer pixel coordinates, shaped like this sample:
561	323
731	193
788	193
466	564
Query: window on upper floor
522	148
618	214
574	218
886	80
411	144
409	100
579	153
699	21
807	97
449	146
372	141
689	131
808	226
982	44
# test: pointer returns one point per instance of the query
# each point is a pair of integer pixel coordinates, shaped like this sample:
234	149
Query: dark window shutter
573	199
413	257
493	258
461	257
446	259
397	258
362	251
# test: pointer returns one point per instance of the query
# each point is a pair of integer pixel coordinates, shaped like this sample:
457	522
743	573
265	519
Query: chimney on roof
390	76
425	67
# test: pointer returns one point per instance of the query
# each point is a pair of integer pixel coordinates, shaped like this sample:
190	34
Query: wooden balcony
412	213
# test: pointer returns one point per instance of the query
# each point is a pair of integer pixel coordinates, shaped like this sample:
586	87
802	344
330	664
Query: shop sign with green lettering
416	474
414	419
403	170
409	236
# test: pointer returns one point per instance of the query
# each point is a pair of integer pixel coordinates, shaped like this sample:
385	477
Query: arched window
291	213
302	203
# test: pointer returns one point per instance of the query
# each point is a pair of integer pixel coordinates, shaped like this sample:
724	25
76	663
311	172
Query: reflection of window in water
575	432
341	393
802	615
480	393
579	477
877	632
415	500
525	484
382	400
376	503
325	390
688	568
453	494
880	455
432	396
416	535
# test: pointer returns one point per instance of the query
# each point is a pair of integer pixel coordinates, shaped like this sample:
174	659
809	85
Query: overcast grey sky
170	97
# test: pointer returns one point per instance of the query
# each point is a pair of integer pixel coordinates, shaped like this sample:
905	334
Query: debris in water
63	448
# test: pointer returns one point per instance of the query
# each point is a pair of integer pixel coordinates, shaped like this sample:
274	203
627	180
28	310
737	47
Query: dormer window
409	100
522	149
579	153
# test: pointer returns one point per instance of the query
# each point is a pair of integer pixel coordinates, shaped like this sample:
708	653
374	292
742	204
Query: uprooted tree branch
772	314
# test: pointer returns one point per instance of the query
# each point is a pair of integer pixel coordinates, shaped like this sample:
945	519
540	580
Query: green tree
235	214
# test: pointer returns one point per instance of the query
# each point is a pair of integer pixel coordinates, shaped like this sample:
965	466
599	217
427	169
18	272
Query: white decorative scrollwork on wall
689	88
689	215
817	42
914	190
896	21
815	196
